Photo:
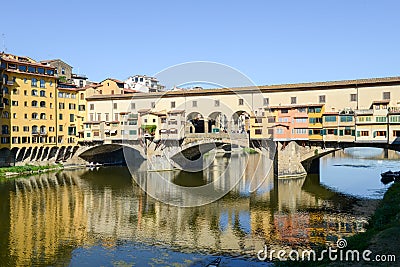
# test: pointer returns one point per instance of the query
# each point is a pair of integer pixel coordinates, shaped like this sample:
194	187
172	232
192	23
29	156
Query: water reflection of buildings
51	215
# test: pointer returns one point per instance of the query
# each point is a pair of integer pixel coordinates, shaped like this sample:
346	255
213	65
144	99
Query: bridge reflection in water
50	215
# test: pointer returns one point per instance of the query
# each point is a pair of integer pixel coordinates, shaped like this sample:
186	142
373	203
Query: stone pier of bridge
296	159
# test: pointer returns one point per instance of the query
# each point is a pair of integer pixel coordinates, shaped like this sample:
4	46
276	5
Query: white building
143	84
79	80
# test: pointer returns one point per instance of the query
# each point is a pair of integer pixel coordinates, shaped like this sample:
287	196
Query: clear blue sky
270	41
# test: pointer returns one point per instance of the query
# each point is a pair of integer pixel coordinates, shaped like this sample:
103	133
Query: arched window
6	115
42	83
42	104
34	92
34	82
42	116
34	103
34	129
35	116
82	96
43	93
42	129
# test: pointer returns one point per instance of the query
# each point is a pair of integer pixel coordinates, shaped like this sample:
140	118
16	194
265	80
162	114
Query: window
34	92
258	120
73	96
133	106
315	120
22	68
380	119
31	69
43	93
25	116
386	95
35	116
132	132
98	116
42	116
82	96
51	83
293	100
380	133
266	101
62	71
60	116
115	105
396	133
216	103
172	104
241	102
25	103
353	97
42	104
42	83
346	118
107	115
14	103
330	118
34	103
71	118
26	128
322	99
15	128
71	106
258	131
40	70
194	104
60	128
60	94
300	120
81	107
284	111
61	105
34	82
279	131
153	104
116	116
91	106
14	115
395	118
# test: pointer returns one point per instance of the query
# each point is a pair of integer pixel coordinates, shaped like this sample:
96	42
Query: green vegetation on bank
26	169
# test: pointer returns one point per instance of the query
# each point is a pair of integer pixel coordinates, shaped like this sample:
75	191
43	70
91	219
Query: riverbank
16	171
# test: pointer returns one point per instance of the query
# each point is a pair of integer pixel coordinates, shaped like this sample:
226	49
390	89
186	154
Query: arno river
100	217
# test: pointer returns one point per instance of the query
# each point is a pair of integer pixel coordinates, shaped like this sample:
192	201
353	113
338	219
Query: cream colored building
239	105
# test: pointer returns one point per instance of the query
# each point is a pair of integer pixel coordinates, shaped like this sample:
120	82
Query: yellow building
315	113
68	120
28	110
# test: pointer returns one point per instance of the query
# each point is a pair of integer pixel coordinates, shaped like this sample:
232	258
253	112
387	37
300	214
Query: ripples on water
101	217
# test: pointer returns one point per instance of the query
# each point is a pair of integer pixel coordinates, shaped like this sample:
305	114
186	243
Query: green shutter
335	131
358	133
353	132
341	132
310	132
